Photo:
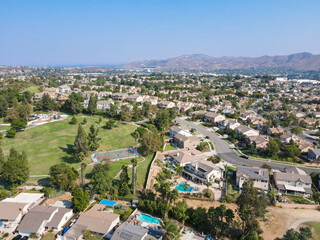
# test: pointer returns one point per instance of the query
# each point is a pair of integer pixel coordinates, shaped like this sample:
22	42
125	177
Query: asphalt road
229	155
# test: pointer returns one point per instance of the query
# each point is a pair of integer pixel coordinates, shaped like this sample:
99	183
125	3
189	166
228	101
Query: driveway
231	156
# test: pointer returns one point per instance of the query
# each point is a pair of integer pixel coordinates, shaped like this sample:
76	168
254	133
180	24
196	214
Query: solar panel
126	235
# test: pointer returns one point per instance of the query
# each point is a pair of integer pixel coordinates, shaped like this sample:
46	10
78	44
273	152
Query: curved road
229	155
298	222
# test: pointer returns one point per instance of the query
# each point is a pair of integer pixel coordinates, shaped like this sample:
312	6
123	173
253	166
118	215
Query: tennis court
115	155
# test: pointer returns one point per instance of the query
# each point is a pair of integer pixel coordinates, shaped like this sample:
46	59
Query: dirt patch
279	220
64	197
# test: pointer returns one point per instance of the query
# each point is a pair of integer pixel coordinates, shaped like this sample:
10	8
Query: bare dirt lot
279	220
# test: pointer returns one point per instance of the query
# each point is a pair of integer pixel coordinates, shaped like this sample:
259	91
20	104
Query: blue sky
119	31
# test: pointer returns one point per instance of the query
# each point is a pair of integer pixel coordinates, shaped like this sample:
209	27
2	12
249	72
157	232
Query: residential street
229	155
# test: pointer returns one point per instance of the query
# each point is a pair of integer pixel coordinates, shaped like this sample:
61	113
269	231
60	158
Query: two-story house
293	181
186	142
260	177
203	172
213	117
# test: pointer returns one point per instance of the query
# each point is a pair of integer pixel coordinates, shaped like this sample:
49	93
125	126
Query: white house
244	130
203	171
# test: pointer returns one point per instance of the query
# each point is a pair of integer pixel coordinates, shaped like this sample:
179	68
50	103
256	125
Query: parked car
244	156
18	237
207	137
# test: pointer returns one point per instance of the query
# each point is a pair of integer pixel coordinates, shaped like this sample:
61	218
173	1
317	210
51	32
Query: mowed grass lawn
51	143
315	228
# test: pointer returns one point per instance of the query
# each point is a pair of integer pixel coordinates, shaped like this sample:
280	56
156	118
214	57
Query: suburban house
174	130
260	177
11	213
244	115
203	171
293	181
38	96
96	220
275	130
64	89
134	98
314	155
213	117
186	142
183	106
134	232
186	157
87	94
229	123
153	101
104	104
30	199
200	112
119	96
260	142
287	137
104	94
60	218
41	217
166	104
244	130
316	114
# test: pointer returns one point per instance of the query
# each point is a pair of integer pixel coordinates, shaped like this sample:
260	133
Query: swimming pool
181	188
149	219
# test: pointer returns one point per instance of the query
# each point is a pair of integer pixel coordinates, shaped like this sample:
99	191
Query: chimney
21	210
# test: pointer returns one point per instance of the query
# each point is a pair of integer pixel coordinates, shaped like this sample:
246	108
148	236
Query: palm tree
171	230
134	172
136	136
83	176
174	195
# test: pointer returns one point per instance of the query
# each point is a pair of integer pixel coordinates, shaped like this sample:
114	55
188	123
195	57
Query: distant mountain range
298	61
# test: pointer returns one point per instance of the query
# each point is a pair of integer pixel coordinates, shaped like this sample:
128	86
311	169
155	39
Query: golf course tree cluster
14	170
84	143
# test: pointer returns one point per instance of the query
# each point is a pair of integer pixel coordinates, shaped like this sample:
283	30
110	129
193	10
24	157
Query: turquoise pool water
180	188
149	219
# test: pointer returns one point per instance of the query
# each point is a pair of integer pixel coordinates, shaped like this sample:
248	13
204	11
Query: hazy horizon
115	32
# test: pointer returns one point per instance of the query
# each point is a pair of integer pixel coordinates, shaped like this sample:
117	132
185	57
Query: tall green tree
81	142
134	163
80	199
18	124
73	104
151	142
251	207
101	181
304	233
171	230
15	171
63	177
3	106
125	113
46	102
2	160
136	136
273	148
93	138
162	120
92	105
83	174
